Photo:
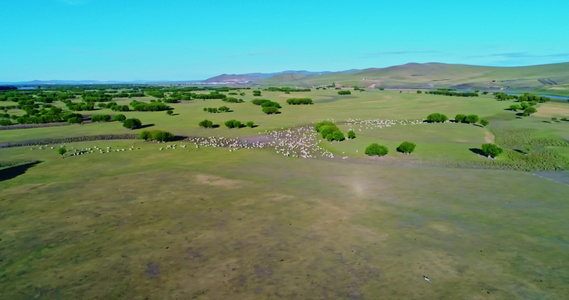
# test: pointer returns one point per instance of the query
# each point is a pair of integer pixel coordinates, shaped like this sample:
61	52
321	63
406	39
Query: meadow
189	222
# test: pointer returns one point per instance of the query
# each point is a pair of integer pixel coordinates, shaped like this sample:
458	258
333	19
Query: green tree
119	117
269	110
61	151
406	147
206	124
351	134
484	122
491	150
250	124
338	136
471	119
132	123
437	118
459	118
528	111
169	112
376	149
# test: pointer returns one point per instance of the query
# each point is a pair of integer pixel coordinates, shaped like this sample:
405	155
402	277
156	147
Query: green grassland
209	223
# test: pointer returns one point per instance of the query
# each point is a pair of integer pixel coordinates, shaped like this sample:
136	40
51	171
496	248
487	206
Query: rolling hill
552	78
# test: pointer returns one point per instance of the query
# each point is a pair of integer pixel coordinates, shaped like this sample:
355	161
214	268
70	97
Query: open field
202	222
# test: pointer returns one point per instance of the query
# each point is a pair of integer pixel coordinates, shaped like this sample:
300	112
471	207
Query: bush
328	129
156	135
515	107
329	137
319	125
459	118
100	118
119	117
250	124
5	122
75	120
484	122
406	147
344	93
298	101
471	119
223	109
169	112
529	111
270	110
437	118
233	124
271	104
491	150
132	123
206	124
256	93
351	134
61	151
376	149
338	136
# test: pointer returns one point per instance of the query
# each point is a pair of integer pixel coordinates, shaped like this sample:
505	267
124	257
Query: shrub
338	136
132	123
484	122
100	118
271	104
437	118
351	134
515	107
270	110
223	109
529	111
329	137
250	124
344	93
298	101
471	119
5	122
233	124
491	150
319	125
459	118
169	112
75	120
257	93
376	149
328	129
61	151
206	124
119	117
406	147
156	135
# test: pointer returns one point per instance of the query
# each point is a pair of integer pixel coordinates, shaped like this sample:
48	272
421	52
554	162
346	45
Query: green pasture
209	223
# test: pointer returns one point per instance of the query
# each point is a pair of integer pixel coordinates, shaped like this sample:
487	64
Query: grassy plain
251	224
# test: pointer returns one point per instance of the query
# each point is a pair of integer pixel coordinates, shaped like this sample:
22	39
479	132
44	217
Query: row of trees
450	92
286	89
298	101
214	110
145	106
232	100
156	135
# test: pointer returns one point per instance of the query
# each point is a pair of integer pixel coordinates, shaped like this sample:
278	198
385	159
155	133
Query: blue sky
184	40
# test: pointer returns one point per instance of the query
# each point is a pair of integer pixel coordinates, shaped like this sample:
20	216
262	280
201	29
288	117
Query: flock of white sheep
299	142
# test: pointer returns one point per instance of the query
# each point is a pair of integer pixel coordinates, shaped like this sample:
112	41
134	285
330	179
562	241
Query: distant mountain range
550	77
